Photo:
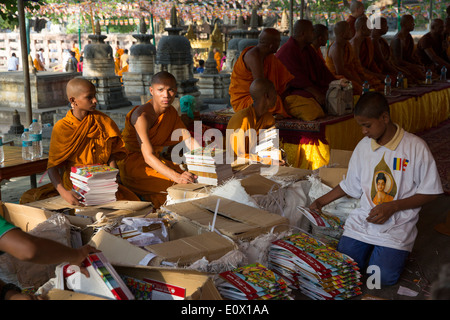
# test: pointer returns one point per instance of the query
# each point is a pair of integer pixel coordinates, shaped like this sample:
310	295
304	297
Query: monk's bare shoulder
145	110
336	48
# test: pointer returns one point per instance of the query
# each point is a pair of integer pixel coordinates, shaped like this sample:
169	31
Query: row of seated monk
358	53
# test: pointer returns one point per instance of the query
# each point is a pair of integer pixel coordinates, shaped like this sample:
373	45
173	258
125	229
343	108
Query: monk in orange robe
341	60
382	51
402	46
148	129
38	63
247	123
259	62
364	51
84	136
320	39
356	11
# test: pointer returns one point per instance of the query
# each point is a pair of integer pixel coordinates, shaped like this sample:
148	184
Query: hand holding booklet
321	219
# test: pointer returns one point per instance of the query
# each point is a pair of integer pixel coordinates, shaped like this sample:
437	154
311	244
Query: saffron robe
242	78
92	140
241	122
136	174
366	56
307	67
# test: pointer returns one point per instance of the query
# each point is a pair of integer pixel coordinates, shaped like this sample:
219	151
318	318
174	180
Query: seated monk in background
341	60
363	48
84	136
259	62
148	129
430	49
255	117
320	39
402	48
356	11
311	75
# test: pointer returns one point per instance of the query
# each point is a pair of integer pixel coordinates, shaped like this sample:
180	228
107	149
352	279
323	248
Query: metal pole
430	16
291	17
26	72
302	6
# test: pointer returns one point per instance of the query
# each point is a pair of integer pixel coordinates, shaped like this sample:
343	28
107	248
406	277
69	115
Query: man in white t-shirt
393	173
13	63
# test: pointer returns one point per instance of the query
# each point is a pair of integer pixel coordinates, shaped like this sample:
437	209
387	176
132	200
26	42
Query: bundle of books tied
252	282
209	164
96	183
320	272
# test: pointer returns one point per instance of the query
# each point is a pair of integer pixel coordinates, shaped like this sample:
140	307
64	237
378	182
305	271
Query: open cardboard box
339	159
235	220
188	191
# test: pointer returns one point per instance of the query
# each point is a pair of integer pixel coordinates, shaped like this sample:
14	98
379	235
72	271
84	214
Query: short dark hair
371	105
162	75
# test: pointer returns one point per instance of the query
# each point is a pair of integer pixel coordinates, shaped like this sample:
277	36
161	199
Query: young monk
255	117
148	129
393	173
84	136
259	62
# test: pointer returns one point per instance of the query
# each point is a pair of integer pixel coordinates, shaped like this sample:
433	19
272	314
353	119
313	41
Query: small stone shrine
98	67
141	66
174	54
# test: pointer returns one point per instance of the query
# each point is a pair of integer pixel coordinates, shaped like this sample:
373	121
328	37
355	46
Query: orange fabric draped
95	139
136	174
37	65
241	79
366	55
241	122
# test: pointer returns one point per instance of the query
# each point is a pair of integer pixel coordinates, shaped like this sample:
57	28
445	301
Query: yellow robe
241	122
136	174
241	79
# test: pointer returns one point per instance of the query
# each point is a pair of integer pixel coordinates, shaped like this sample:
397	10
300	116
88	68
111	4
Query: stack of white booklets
268	144
97	184
209	165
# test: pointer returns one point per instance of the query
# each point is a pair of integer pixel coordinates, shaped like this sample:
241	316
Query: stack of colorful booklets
103	280
252	282
96	183
321	219
209	165
320	272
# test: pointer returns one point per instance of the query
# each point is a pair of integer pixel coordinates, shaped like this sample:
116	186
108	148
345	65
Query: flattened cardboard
257	184
339	159
235	220
57	294
23	217
199	285
188	191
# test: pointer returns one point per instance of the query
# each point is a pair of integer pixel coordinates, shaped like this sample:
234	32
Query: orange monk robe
366	56
92	140
242	78
77	53
351	23
217	57
37	65
353	66
241	141
135	173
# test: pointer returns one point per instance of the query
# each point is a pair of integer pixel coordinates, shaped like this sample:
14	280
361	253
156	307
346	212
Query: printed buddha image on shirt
384	187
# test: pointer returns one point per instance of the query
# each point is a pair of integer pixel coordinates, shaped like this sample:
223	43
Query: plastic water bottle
400	80
428	77
443	73
387	86
365	87
36	139
26	145
2	154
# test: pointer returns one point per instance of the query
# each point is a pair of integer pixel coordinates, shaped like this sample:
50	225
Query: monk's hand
186	177
382	212
72	198
316	206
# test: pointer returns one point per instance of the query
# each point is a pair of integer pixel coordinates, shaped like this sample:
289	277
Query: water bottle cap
34	120
26	129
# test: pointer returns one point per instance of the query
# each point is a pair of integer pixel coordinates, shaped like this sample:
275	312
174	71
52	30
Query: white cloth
13	63
416	173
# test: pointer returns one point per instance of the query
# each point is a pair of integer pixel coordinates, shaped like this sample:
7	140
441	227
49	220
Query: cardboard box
235	220
188	191
198	285
23	217
57	294
339	159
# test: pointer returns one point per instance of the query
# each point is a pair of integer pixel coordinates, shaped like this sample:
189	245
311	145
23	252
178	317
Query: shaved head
320	30
340	28
259	87
302	26
161	77
355	5
77	86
